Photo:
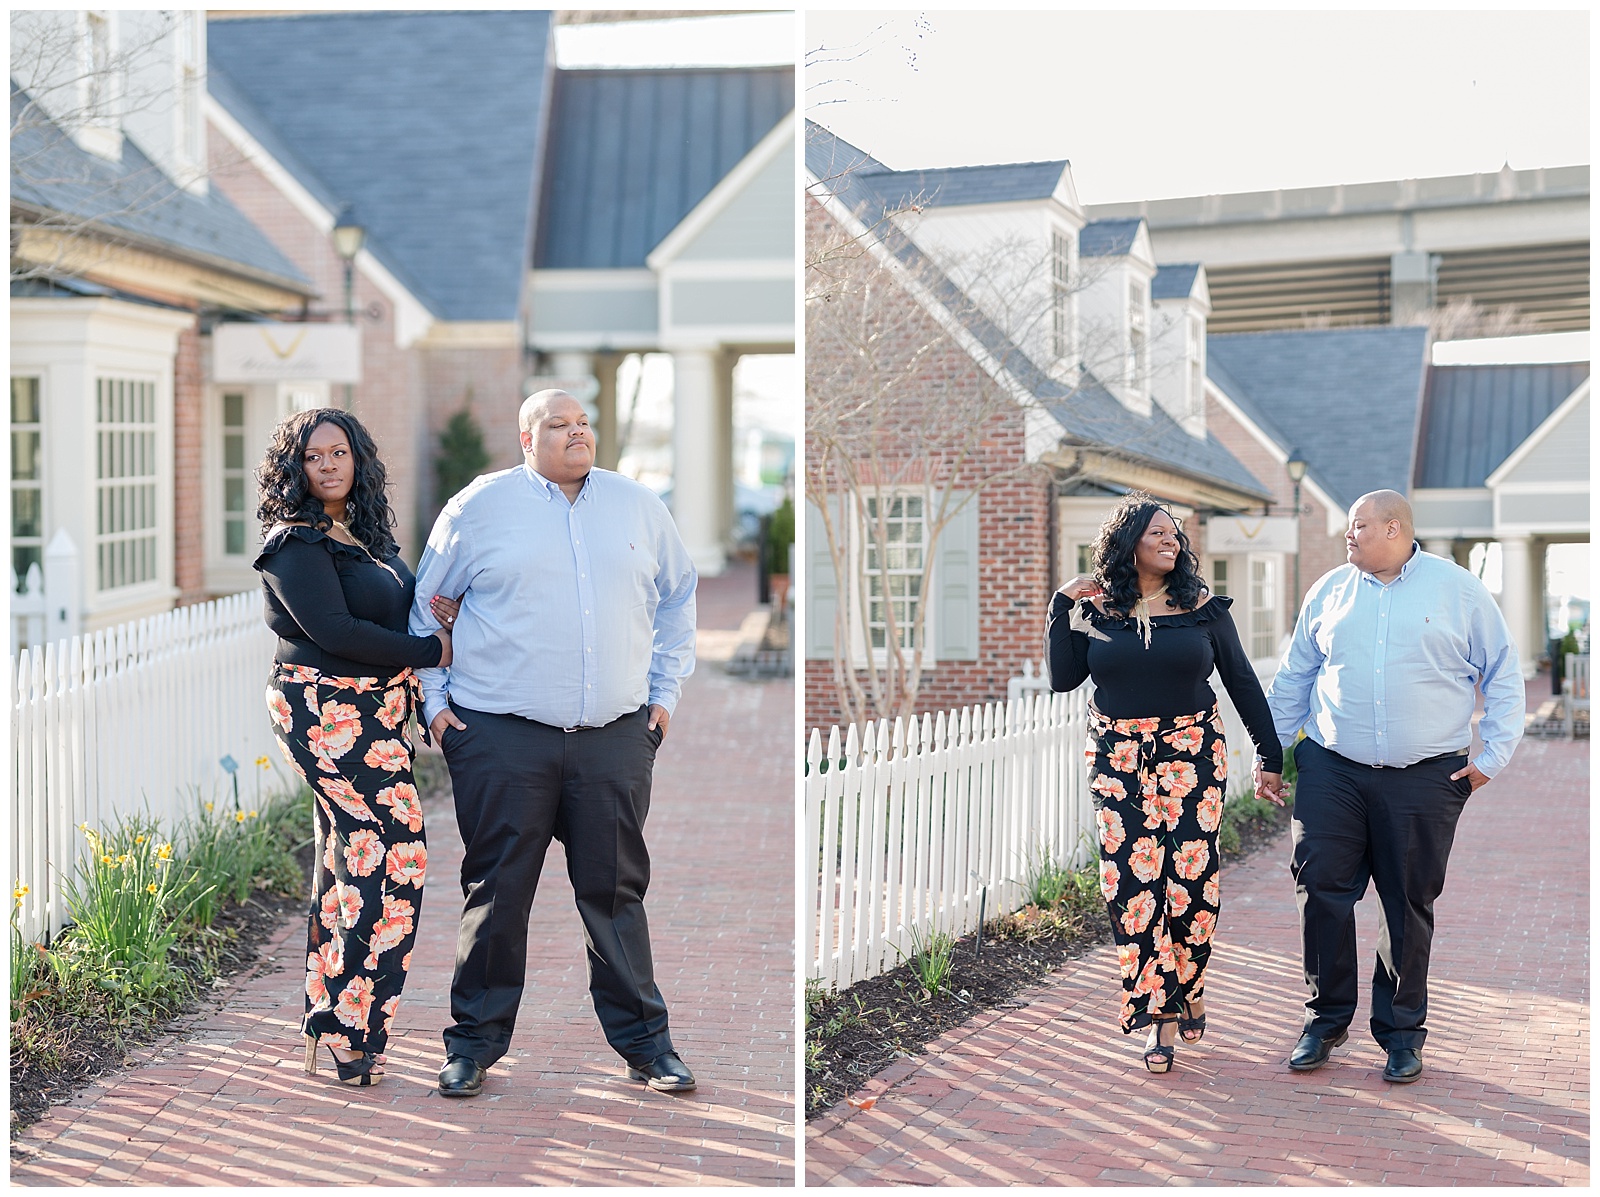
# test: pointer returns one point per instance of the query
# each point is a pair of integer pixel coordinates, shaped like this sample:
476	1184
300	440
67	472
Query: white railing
915	828
128	720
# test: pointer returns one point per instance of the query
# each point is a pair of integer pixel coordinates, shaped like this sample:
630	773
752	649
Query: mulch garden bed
853	1035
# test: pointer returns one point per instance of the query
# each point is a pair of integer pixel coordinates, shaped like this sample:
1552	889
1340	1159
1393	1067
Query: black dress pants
1395	827
518	784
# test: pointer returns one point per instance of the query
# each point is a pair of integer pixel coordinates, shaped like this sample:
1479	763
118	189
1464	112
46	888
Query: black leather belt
1432	760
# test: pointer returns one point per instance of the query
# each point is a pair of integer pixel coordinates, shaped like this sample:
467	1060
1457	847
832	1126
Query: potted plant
778	549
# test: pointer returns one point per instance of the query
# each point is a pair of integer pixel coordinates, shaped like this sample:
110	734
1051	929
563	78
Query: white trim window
1063	317
1217	575
894	569
1138	335
1197	364
126	473
236	480
1266	604
27	477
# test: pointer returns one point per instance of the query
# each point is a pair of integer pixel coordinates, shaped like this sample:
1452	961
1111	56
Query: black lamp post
1296	466
348	238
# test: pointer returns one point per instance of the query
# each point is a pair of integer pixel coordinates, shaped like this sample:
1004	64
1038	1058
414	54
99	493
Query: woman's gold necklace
355	540
1141	613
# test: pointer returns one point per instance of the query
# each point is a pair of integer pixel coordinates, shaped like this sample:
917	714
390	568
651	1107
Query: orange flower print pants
1158	788
346	736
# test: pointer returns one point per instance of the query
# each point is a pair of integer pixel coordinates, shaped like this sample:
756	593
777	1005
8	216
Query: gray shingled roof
1474	417
1088	414
631	152
133	198
428	122
1108	238
1175	281
1348	398
944	187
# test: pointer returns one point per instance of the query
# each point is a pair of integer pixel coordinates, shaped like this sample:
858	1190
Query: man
1381	673
575	632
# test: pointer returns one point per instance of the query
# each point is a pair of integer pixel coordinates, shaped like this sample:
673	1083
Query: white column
695	485
1516	599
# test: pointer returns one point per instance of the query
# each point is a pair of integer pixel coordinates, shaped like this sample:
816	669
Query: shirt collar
551	489
1405	570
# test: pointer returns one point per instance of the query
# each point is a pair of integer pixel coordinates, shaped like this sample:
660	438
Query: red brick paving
1052	1094
224	1101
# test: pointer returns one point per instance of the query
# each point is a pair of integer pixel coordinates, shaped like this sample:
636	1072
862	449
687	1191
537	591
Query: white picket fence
128	720
913	828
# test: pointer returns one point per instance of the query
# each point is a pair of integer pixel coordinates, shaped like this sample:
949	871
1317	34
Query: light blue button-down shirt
1386	674
572	614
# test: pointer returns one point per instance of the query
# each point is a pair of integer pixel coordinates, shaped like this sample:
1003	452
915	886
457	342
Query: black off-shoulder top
336	609
1171	677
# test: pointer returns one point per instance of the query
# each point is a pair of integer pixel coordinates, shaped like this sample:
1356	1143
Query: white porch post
695	484
1516	599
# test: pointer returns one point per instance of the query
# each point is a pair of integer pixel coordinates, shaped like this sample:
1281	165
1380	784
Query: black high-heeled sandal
1196	1023
358	1072
1163	1054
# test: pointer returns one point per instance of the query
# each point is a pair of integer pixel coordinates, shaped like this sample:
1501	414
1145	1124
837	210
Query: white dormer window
1197	364
1138	334
1063	321
96	127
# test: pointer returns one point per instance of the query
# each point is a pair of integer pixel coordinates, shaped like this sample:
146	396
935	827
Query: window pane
25	512
24	454
24	400
233	452
233	494
233	411
234	538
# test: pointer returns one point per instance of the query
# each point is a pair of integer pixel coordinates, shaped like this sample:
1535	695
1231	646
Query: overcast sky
1156	104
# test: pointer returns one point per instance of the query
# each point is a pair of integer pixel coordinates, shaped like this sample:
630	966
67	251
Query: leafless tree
899	420
80	80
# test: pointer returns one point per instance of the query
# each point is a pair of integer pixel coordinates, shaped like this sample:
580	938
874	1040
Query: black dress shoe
1404	1065
461	1077
666	1073
1312	1051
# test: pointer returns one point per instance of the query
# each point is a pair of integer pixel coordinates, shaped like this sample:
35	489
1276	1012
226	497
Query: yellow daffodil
108	860
211	806
21	892
238	816
253	814
164	852
263	762
138	839
151	888
123	859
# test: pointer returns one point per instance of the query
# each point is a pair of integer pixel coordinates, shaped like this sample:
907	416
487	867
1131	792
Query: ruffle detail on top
281	535
1203	614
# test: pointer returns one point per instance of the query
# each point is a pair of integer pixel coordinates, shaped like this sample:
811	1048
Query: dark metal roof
1088	413
430	123
631	152
1108	238
1348	398
132	197
1174	282
1474	417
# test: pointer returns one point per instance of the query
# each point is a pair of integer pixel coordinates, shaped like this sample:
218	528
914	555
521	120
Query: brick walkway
1050	1093
224	1102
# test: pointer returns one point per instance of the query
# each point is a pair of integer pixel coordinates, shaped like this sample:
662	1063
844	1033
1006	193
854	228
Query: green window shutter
956	585
819	585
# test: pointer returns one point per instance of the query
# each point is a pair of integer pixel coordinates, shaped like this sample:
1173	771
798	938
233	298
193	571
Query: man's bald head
557	441
1379	539
536	407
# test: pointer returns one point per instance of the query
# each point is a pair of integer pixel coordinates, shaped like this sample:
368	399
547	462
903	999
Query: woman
1148	631
341	695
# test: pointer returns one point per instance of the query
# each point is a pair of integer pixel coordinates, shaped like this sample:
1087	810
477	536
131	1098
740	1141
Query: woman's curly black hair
286	498
1113	557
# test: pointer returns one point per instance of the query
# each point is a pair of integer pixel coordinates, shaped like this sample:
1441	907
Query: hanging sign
285	353
1252	534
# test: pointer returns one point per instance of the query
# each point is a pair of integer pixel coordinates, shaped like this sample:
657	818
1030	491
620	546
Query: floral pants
1158	789
346	737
